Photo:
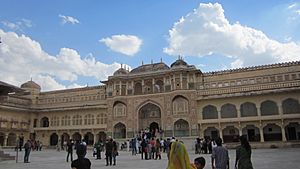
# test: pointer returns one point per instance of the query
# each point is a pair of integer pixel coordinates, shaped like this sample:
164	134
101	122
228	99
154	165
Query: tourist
219	157
199	162
27	148
70	150
115	152
98	147
243	155
108	151
81	162
157	150
178	157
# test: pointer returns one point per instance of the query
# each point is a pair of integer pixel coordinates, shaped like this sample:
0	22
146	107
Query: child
199	162
81	162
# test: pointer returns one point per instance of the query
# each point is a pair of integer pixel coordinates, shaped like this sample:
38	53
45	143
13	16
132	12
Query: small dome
179	62
31	84
121	71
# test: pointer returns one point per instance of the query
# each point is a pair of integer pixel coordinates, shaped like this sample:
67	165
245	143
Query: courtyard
52	159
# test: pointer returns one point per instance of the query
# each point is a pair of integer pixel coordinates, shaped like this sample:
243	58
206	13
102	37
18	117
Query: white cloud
206	30
298	11
292	5
125	44
68	19
19	25
23	58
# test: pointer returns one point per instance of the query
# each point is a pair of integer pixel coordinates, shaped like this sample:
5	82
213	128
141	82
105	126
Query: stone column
283	133
180	80
261	133
258	111
174	82
143	83
5	139
153	85
120	88
95	137
219	113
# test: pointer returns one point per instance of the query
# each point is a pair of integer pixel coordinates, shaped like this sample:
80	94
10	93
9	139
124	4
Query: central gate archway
150	117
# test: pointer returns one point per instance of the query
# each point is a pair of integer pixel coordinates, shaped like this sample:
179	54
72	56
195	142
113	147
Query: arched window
54	121
210	112
101	118
120	130
180	105
89	119
159	86
138	88
228	111
248	109
66	120
290	106
77	120
269	108
44	122
119	109
181	128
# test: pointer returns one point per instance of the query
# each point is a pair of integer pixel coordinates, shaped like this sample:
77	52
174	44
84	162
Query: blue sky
66	44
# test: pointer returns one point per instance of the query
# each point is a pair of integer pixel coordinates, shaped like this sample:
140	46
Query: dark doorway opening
251	134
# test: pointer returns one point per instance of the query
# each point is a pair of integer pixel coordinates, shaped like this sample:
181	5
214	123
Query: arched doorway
76	137
53	139
120	130
181	128
230	134
292	131
102	135
11	139
89	138
252	132
272	132
149	117
211	132
2	137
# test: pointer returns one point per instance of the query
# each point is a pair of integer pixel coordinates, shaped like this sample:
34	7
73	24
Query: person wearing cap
81	162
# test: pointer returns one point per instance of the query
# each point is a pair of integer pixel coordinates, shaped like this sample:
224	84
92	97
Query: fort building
179	100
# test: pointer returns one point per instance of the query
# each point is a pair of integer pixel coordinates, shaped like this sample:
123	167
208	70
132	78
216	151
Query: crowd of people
151	147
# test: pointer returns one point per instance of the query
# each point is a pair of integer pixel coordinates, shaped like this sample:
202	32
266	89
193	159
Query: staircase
4	156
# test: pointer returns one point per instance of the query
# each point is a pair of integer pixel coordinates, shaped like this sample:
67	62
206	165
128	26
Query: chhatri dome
30	85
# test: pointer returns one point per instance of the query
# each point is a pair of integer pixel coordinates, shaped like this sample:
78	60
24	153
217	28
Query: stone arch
138	88
89	138
228	111
292	131
159	86
181	128
11	139
44	122
268	108
180	105
148	87
119	130
102	136
230	134
53	139
148	113
290	106
209	112
211	132
248	109
65	137
272	132
252	132
120	109
2	139
76	136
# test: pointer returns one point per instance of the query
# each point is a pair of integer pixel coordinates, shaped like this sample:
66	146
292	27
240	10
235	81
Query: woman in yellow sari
178	157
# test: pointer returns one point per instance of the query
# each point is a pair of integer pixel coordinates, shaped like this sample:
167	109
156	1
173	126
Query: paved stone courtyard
51	159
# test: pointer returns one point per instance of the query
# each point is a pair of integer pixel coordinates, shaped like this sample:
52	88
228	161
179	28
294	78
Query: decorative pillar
143	83
120	88
258	111
261	133
221	132
174	82
180	80
5	139
153	85
219	113
283	132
